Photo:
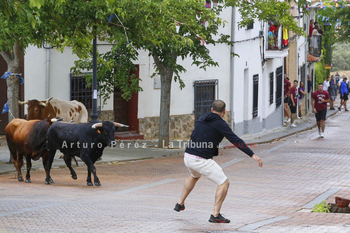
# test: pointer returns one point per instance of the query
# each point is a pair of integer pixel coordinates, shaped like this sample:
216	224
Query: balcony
277	42
315	45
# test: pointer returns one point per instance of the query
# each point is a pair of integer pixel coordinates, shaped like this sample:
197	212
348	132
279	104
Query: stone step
128	135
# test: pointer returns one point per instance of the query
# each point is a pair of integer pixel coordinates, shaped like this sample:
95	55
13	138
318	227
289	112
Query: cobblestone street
298	172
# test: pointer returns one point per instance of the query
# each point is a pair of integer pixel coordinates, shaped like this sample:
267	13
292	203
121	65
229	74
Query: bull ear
22	102
116	124
97	125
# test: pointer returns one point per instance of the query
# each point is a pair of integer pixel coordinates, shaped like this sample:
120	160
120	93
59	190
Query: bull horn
42	104
94	126
49	99
116	124
22	102
56	119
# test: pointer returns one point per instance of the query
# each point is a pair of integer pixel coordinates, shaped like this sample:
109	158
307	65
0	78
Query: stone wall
180	126
104	115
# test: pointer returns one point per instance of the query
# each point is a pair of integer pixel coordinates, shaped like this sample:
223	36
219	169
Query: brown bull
51	108
27	139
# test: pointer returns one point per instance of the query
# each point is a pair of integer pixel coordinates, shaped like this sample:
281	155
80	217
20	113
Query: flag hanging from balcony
285	37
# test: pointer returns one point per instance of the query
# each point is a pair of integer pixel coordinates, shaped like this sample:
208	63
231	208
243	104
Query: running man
209	131
320	98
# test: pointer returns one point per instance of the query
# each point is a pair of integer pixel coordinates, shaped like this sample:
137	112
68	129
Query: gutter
232	65
47	93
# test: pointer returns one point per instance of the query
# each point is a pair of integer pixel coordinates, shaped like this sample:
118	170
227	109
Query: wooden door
125	112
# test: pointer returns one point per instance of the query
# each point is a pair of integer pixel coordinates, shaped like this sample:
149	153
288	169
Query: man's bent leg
220	196
189	185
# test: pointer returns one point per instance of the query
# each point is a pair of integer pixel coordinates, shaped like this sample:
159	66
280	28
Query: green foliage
321	207
113	70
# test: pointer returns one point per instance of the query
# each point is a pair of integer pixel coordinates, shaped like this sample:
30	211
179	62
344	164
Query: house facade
251	84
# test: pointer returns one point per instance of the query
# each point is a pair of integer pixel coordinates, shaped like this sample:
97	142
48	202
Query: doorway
125	112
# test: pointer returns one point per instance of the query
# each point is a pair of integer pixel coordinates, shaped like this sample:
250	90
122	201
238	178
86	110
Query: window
271	88
255	95
79	90
205	92
250	26
279	84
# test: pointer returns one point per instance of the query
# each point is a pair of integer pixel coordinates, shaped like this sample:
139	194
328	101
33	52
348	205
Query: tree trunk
13	65
166	77
12	96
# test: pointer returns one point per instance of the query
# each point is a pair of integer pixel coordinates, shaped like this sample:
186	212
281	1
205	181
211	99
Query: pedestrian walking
344	94
287	86
320	98
310	90
301	93
326	84
332	90
203	146
294	101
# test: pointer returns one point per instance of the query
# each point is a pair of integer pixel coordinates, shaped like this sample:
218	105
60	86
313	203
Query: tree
17	31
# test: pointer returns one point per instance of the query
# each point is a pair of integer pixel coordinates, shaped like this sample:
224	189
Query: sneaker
321	135
339	109
332	109
179	207
300	118
218	219
293	125
284	124
346	110
288	120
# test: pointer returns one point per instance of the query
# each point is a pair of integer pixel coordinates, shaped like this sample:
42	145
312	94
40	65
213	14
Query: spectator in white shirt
326	84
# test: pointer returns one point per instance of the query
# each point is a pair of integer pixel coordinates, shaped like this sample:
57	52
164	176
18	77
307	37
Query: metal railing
79	90
205	92
275	41
315	45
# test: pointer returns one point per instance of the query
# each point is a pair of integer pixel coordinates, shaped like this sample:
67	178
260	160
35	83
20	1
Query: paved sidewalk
131	150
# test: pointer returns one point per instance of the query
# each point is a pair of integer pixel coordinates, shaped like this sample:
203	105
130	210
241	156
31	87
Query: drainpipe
47	93
306	74
233	22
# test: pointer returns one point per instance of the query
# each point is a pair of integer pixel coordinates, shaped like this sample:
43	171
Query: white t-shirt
325	85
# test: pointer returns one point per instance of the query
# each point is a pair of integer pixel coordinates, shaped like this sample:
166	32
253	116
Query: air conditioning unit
261	33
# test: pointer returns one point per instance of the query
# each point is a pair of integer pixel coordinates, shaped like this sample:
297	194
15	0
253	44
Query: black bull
84	140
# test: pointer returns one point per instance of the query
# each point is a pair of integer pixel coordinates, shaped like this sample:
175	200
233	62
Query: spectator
311	27
344	94
294	102
326	84
287	86
332	90
301	93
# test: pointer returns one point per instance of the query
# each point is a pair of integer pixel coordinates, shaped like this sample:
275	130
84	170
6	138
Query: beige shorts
206	167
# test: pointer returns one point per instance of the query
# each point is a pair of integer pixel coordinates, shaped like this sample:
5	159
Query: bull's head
106	131
35	109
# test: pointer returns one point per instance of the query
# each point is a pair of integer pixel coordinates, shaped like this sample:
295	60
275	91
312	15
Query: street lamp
94	114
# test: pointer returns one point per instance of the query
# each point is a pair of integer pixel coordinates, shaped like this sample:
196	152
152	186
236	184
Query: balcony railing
277	40
315	45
